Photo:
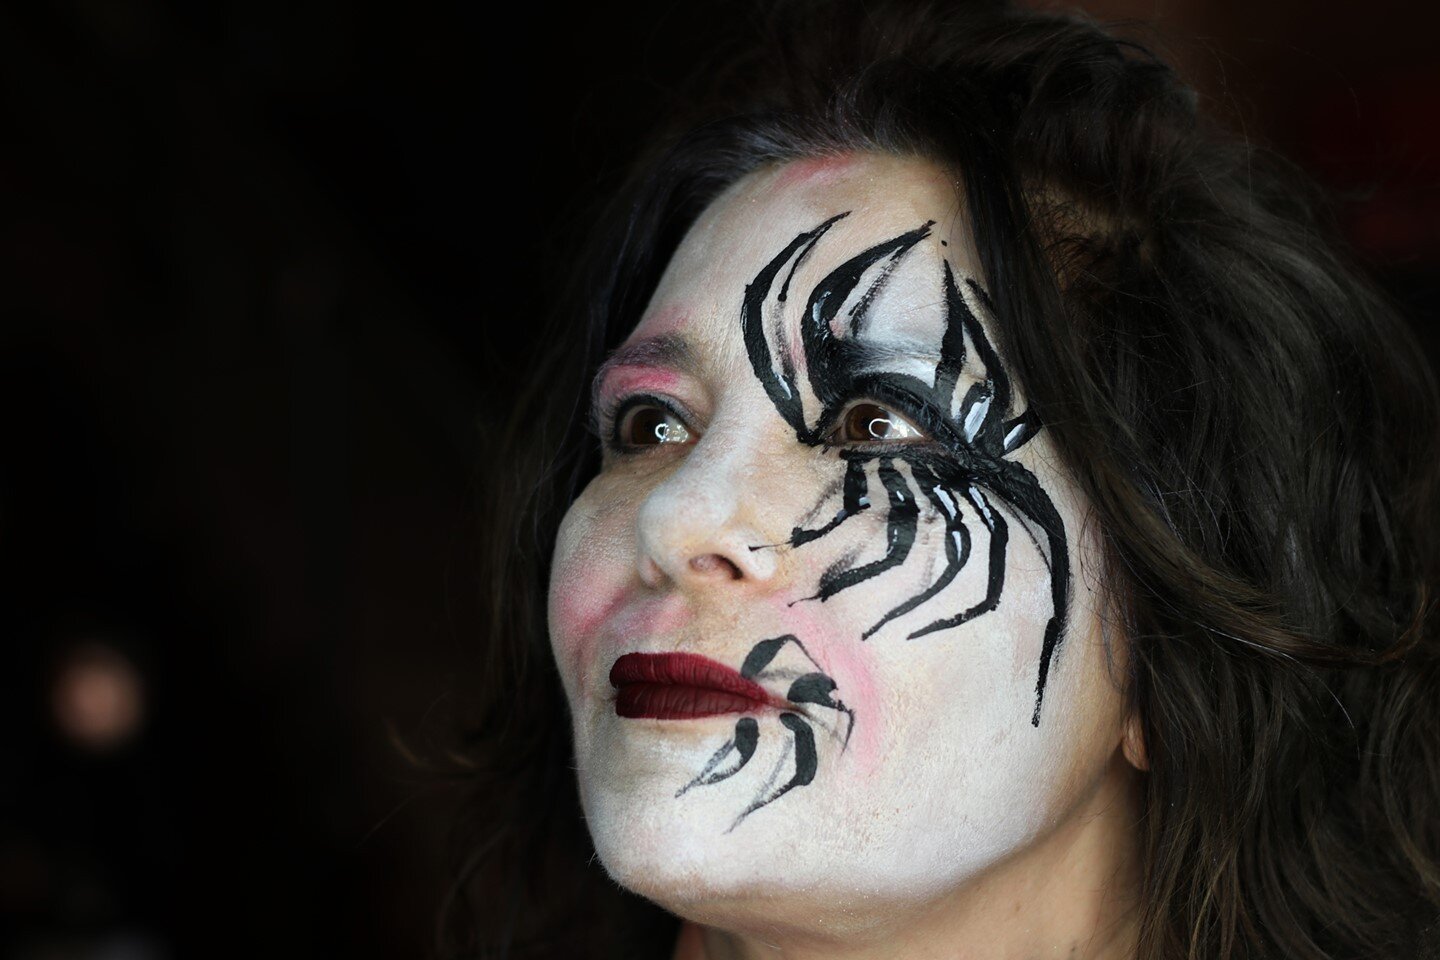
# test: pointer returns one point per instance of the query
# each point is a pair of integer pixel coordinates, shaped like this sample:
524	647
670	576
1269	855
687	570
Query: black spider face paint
782	658
970	473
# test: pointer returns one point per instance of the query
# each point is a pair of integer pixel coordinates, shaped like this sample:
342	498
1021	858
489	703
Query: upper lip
689	670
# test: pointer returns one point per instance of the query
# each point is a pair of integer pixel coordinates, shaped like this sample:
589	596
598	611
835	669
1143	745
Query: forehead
882	196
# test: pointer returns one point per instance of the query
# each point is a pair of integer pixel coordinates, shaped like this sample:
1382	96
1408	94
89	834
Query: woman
1010	534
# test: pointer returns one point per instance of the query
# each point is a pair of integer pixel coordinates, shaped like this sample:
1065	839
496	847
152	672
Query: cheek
846	661
588	582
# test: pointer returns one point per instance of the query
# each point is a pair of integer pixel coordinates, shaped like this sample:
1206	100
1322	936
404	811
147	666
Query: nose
697	528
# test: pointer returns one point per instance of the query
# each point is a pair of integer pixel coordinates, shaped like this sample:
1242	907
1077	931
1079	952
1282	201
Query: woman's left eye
870	422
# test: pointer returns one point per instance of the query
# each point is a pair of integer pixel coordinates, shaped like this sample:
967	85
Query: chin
758	884
780	870
664	847
817	856
737	886
679	854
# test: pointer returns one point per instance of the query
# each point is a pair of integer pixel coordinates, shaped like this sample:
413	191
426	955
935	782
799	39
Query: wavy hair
1252	421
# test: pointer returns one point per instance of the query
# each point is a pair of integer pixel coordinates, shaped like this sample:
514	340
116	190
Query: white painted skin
949	826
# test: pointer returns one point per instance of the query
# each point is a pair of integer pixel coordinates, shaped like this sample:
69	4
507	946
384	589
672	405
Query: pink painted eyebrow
664	350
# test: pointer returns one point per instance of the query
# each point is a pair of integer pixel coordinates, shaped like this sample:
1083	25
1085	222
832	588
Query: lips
683	686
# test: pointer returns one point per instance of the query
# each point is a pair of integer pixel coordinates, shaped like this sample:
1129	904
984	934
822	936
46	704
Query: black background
266	270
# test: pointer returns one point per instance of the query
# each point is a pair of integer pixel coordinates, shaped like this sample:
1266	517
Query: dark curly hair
1254	425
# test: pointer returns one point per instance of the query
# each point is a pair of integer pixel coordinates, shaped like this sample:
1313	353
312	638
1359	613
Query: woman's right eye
647	425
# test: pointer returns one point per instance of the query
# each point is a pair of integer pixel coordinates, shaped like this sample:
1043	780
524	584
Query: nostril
712	564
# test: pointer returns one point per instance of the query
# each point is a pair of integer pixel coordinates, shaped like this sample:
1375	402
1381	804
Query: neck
1072	895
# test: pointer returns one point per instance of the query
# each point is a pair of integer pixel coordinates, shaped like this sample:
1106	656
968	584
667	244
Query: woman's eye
643	426
868	422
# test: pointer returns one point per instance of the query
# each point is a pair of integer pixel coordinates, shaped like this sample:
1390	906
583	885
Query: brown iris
868	422
649	425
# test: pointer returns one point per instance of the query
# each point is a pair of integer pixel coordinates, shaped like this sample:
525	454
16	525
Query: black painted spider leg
982	413
854	499
825	353
763	652
957	545
999	538
817	688
988	425
747	736
899	535
781	387
806	763
1040	540
1019	490
1022	492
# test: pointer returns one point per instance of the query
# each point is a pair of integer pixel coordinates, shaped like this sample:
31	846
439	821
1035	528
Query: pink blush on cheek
843	657
586	608
580	605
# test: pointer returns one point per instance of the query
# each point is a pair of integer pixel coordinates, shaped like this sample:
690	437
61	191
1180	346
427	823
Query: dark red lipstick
683	686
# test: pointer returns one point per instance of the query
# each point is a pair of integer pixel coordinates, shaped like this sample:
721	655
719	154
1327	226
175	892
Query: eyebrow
664	350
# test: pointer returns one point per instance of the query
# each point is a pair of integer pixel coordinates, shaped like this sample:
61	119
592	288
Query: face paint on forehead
965	471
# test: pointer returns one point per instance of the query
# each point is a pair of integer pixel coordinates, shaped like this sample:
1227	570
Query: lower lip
668	701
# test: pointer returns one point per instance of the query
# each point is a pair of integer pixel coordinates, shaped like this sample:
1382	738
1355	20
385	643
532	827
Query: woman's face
824	617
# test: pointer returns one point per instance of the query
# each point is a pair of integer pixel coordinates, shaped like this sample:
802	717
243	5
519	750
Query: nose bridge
705	512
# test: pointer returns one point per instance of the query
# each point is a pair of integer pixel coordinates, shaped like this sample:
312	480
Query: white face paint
935	763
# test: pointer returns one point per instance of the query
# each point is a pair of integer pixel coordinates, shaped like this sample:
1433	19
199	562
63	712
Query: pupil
647	425
880	427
